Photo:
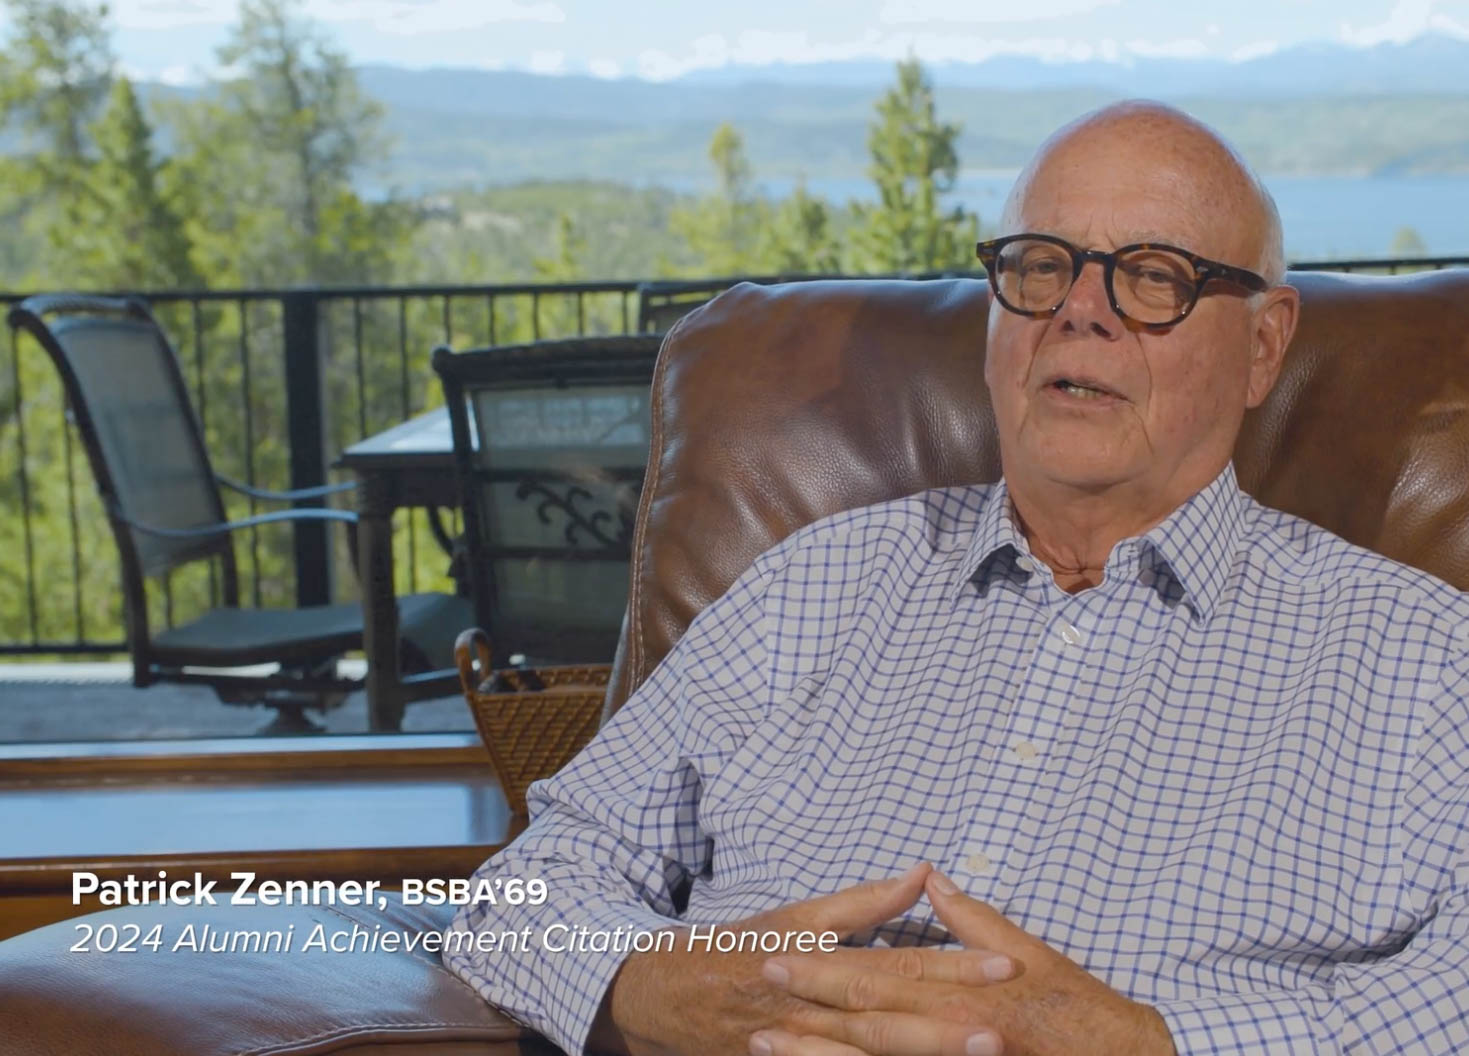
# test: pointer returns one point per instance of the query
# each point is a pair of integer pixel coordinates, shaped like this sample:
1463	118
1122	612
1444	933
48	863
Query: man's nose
1087	310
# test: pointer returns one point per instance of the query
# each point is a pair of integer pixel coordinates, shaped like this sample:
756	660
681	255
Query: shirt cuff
1279	1023
579	979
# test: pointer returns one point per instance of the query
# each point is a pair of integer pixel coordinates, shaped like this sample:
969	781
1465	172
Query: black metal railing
1382	266
282	381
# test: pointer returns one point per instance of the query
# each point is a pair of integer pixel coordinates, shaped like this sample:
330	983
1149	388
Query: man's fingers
855	908
824	982
977	924
959	967
781	1043
901	1034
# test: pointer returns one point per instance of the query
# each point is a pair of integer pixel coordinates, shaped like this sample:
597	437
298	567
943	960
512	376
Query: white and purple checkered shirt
1232	781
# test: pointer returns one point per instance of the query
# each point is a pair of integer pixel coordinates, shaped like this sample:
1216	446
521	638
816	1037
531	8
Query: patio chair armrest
284	496
224	527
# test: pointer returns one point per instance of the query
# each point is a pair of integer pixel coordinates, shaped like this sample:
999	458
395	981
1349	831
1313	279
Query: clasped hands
1006	992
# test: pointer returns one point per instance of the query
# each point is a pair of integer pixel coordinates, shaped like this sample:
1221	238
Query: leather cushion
776	405
183	1003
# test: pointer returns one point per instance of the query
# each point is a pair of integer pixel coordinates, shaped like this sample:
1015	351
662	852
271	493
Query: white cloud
181	75
403	17
1408	19
546	62
1450	26
440	13
763	45
1254	50
171	14
762	48
162	34
706	52
908	12
1188	48
656	65
397	16
175	75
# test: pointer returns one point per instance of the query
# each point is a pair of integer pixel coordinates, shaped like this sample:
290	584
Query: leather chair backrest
774	406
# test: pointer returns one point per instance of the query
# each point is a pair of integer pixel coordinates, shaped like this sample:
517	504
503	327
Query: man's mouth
1085	390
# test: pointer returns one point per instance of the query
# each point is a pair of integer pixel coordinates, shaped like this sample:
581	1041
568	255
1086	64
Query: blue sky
175	39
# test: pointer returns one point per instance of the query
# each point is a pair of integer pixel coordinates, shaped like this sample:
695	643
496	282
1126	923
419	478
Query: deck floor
96	702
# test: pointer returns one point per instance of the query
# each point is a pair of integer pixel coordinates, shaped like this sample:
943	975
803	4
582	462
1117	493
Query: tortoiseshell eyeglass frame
1205	270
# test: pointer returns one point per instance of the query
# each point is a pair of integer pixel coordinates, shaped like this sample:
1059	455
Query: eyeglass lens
1149	285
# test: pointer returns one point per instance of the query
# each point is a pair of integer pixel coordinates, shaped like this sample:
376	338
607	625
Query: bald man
1105	758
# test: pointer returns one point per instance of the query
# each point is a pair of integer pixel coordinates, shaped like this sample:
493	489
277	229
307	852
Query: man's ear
1272	326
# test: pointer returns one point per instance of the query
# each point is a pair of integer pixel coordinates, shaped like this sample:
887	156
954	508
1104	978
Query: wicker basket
532	721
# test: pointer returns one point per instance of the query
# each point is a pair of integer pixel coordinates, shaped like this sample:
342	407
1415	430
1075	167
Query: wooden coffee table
378	807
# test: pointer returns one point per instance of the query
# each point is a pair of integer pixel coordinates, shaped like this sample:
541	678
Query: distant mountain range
1429	64
1322	109
1432	64
1319	109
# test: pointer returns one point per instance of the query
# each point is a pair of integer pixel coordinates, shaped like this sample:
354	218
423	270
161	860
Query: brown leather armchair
774	406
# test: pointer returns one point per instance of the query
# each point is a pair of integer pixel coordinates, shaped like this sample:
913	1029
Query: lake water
1323	216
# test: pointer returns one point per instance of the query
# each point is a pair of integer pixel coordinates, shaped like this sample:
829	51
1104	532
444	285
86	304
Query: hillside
1395	109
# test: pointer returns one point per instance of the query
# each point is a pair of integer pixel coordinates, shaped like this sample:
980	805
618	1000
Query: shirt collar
1196	542
996	534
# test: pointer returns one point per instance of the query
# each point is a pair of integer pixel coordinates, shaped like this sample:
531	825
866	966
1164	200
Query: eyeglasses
1153	285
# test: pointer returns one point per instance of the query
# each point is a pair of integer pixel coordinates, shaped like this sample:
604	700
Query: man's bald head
1186	160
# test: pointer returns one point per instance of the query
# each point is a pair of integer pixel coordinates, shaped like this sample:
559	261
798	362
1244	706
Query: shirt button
979	864
1070	635
1026	752
1025	564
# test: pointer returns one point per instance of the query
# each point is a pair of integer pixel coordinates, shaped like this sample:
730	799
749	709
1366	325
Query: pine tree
558	316
120	230
56	73
1407	242
798	239
914	163
269	163
724	228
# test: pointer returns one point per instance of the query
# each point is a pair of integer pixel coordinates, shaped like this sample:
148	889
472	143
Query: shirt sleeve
616	834
1413	1001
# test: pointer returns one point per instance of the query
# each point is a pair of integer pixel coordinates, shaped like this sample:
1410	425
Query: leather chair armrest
250	1000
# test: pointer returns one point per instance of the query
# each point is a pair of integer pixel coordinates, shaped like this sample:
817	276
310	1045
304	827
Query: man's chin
1088	483
1079	468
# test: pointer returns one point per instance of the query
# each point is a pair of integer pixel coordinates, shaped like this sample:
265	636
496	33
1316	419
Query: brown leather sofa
775	406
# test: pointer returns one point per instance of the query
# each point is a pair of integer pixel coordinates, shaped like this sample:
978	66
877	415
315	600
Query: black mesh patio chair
127	397
550	444
663	303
